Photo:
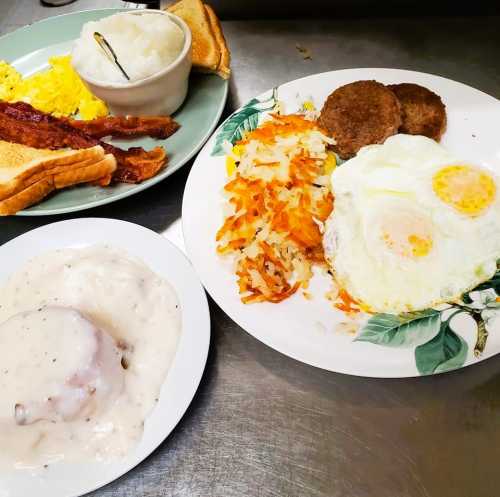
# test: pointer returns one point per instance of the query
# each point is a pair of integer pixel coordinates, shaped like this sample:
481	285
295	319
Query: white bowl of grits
154	49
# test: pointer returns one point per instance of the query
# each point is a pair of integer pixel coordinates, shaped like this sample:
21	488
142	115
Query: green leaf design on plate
246	119
406	330
493	283
482	334
446	351
438	348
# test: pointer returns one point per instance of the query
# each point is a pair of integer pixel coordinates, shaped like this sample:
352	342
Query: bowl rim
157	75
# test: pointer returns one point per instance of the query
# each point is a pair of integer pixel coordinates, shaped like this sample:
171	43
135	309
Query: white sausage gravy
87	337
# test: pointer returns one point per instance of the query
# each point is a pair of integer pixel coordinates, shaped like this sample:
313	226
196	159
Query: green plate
28	50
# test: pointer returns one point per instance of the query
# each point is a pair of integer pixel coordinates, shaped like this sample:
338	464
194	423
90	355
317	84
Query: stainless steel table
263	425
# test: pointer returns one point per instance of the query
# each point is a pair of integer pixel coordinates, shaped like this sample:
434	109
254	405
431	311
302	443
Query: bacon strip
21	123
127	127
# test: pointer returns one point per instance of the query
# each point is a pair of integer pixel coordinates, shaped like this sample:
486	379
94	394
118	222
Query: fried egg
412	226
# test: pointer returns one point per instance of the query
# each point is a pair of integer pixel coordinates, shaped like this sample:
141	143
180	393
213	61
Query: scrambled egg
231	160
308	105
58	91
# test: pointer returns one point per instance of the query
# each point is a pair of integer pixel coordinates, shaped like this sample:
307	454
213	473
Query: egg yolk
467	189
420	246
330	163
407	236
413	246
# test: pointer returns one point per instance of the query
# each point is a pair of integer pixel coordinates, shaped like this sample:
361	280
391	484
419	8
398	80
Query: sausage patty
359	114
423	111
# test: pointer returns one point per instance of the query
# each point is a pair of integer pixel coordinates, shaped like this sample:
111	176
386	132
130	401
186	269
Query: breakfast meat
159	127
21	123
422	111
358	114
60	385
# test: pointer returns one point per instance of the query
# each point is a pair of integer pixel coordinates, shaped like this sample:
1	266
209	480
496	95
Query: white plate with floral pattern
313	331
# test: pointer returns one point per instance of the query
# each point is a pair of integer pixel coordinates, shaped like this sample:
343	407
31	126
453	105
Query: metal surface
17	13
278	9
263	425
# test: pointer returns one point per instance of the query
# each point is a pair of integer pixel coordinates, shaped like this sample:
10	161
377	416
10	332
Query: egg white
388	189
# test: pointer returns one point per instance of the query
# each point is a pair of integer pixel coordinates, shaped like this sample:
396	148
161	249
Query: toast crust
223	69
57	170
29	196
85	174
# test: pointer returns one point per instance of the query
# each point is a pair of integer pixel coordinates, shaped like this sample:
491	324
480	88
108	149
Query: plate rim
223	305
203	310
140	187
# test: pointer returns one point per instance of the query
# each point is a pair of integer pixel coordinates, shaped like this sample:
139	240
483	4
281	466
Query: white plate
72	480
307	330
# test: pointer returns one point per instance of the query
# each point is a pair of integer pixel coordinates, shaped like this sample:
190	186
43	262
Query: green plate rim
141	186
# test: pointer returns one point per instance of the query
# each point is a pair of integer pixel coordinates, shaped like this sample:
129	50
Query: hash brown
360	113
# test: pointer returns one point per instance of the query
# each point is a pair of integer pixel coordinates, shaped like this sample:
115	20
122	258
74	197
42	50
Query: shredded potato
278	196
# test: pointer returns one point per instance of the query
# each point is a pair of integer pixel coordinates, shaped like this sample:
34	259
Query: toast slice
29	196
206	54
86	173
27	175
223	69
60	177
21	166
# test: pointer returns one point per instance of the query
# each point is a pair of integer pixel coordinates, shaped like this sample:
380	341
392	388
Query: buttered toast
209	49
